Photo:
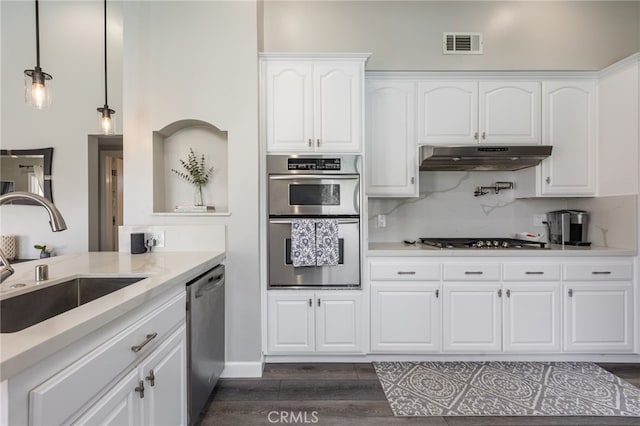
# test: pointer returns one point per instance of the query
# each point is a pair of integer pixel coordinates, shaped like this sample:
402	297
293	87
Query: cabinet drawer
55	400
598	271
531	272
405	271
472	272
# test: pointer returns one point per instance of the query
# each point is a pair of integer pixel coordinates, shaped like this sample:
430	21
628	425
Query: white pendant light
37	93
106	119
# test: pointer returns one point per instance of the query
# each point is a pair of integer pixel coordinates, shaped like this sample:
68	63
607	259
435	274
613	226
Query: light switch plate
158	236
382	220
538	219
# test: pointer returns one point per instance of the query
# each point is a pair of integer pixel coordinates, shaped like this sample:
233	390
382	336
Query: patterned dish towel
327	253
303	242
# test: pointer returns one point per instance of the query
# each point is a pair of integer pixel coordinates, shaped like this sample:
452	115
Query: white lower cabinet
152	393
598	317
472	317
531	317
314	321
105	385
405	317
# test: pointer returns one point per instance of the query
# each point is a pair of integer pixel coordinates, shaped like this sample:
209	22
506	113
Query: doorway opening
105	191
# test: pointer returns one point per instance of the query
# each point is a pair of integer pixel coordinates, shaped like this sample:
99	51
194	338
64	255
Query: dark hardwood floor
349	394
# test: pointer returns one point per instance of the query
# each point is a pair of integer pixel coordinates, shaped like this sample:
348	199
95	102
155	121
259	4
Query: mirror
26	170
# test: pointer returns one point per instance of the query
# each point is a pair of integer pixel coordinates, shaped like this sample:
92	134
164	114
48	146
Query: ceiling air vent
462	43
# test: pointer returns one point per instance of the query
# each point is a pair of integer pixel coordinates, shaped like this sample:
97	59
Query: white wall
71	43
198	60
407	35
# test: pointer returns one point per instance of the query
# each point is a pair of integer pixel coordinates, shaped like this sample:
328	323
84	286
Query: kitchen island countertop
423	250
161	272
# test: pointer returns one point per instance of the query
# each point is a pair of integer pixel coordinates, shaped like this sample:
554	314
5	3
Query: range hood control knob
505	244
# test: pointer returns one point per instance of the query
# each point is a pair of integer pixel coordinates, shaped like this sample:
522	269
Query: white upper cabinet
569	123
509	113
469	112
392	167
448	112
313	104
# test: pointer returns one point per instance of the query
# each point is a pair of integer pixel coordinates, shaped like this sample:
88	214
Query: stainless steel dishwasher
205	338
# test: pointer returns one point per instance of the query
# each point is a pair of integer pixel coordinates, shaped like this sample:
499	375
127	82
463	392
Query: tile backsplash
447	207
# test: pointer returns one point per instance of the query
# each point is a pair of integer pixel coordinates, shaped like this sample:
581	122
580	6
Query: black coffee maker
568	227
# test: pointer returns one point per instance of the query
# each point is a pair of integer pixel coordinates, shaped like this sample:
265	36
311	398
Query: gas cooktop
482	243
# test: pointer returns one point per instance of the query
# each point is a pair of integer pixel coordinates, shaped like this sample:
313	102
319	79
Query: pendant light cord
105	54
37	37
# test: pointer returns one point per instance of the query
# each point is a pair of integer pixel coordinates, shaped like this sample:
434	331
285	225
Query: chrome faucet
55	220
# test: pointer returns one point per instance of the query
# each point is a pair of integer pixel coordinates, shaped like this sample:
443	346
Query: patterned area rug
505	389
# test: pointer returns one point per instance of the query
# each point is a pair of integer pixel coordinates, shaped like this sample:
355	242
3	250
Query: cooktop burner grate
483	243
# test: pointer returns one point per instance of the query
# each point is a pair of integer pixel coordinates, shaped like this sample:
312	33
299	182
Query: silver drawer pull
601	272
149	338
473	272
534	273
406	272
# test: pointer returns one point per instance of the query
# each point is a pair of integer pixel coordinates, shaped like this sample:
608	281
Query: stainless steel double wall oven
314	187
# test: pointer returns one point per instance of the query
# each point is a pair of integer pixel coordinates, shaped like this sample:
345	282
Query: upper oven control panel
332	164
313	164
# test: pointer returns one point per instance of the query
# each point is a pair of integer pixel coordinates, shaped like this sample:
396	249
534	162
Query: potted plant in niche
196	173
44	251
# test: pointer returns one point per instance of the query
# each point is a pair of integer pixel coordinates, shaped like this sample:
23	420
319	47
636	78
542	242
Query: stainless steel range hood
484	158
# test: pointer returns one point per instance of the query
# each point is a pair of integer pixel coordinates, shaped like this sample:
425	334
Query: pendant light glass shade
106	119
37	92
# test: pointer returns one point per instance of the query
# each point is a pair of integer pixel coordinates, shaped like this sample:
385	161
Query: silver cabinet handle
601	273
310	302
570	292
508	293
534	273
484	135
413	180
318	302
406	272
140	389
475	135
318	142
473	272
149	338
500	293
548	179
151	378
310	143
437	293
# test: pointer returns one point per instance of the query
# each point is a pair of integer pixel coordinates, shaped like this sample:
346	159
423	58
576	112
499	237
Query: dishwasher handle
212	283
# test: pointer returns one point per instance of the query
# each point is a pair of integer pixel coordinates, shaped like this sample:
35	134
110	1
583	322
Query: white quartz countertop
162	272
422	250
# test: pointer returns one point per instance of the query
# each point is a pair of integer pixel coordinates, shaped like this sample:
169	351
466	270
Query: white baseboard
243	369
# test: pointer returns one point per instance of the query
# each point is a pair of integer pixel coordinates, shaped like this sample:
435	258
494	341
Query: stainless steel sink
25	310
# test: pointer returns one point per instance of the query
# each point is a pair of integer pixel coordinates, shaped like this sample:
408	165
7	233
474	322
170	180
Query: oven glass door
314	195
283	274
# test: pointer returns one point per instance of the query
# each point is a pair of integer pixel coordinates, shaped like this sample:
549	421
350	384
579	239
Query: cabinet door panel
532	317
569	125
289	108
119	407
390	136
290	322
472	318
338	107
166	396
338	322
598	317
509	112
405	317
448	112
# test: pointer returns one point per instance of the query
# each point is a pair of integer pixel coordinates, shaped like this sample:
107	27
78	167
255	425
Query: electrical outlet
538	219
382	220
158	236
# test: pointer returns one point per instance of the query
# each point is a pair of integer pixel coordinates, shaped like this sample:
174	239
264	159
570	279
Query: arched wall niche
170	145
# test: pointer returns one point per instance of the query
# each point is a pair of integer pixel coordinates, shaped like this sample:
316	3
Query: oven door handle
288	221
316	177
